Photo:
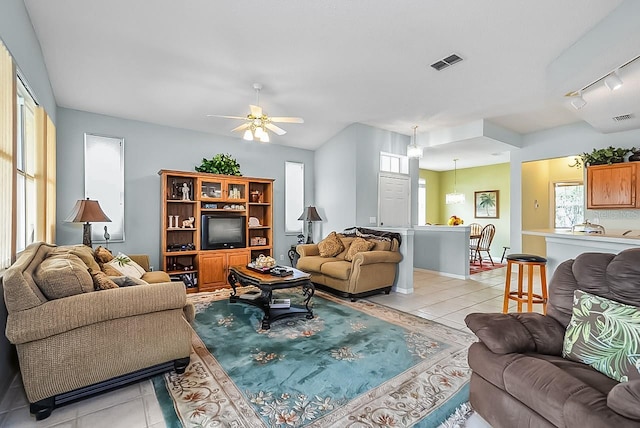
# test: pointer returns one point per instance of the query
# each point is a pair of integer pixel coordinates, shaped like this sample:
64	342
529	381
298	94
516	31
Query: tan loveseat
369	272
89	341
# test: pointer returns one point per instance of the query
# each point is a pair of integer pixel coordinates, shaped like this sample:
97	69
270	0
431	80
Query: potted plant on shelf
608	155
220	164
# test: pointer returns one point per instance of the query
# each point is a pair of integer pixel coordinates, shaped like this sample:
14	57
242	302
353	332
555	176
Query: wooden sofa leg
180	365
42	409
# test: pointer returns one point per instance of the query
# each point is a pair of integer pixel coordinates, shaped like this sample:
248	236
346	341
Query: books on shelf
250	295
280	303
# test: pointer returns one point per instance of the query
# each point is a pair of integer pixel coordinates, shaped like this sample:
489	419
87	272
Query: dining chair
484	243
474	236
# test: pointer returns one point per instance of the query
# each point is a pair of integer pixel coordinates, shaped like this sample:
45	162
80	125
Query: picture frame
486	204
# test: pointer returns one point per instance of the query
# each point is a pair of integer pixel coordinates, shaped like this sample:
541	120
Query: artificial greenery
607	155
220	164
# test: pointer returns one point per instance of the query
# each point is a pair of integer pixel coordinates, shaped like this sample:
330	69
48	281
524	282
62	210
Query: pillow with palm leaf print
605	335
123	264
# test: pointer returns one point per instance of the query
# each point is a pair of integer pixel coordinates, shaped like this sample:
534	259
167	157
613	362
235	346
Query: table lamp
87	210
310	215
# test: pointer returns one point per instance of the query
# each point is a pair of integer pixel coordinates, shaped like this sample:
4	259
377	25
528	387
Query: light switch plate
372	220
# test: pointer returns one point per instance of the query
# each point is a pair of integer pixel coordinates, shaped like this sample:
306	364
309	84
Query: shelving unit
181	254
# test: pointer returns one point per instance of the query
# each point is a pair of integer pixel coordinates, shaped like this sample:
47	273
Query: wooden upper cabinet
612	186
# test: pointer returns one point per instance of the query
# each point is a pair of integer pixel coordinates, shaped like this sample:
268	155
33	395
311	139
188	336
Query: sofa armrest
518	332
624	398
372	257
142	260
308	250
60	315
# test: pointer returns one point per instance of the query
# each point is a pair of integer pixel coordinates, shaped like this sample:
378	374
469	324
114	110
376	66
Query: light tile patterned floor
436	297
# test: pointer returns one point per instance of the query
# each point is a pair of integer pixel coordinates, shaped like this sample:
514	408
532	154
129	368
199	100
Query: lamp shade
310	214
87	210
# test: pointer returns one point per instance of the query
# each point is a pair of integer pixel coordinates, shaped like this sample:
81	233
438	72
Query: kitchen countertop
613	236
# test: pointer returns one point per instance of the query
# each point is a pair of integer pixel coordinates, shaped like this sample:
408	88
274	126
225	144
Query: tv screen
220	232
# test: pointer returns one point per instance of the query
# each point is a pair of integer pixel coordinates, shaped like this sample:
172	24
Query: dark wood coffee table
267	283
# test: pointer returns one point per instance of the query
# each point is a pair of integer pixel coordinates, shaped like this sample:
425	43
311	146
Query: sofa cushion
604	334
154	277
346	242
83	252
380	245
340	269
63	275
359	245
330	246
123	264
313	263
101	281
624	398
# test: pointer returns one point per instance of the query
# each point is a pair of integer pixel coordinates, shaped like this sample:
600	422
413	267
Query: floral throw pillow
358	245
604	335
127	267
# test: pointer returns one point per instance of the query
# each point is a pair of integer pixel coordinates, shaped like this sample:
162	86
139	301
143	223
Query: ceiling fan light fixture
613	81
247	135
258	132
264	137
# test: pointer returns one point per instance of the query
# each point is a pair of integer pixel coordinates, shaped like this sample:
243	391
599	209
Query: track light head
578	102
613	81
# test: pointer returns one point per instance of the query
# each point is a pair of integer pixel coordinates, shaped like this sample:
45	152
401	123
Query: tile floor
439	298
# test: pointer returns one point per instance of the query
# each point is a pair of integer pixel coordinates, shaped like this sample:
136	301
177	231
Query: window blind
7	160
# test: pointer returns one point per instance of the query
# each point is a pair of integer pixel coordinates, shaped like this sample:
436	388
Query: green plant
220	164
607	155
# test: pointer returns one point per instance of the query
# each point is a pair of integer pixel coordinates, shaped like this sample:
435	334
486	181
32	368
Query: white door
394	204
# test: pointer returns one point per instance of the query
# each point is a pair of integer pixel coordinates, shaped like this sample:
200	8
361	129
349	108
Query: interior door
394	200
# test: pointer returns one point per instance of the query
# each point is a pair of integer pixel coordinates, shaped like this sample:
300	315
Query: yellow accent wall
470	180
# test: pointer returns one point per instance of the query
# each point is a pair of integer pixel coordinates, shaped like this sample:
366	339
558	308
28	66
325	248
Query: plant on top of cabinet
220	164
604	156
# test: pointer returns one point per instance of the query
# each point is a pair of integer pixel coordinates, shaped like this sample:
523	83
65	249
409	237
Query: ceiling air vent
446	62
622	117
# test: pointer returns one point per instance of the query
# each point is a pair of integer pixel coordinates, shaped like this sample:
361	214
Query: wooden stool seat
526	296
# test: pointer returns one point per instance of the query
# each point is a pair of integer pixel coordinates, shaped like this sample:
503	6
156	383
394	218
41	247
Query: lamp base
309	232
86	234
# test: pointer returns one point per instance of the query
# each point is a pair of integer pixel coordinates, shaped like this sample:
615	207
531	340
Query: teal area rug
354	365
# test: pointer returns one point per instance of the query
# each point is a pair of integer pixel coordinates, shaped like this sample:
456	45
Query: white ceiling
329	61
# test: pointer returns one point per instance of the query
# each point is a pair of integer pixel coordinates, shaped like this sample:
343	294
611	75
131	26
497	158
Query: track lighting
613	81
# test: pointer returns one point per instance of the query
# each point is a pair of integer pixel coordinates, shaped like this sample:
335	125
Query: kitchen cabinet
612	186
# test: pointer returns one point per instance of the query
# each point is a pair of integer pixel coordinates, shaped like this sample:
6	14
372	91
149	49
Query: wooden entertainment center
209	197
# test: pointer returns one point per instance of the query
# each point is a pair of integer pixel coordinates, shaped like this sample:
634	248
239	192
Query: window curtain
45	177
7	160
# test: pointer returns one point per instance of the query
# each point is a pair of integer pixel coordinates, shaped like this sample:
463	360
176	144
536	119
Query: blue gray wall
346	179
150	148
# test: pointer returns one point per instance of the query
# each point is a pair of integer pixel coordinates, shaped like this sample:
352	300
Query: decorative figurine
185	192
170	222
107	236
188	223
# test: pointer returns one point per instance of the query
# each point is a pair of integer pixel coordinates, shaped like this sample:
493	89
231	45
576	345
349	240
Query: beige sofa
89	341
369	272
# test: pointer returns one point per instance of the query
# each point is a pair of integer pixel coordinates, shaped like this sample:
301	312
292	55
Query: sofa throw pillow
62	275
359	245
127	281
605	335
330	246
101	281
83	252
102	255
123	264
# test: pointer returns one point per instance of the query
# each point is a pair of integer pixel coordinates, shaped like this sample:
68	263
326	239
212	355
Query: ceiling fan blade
226	117
256	111
287	119
241	127
275	129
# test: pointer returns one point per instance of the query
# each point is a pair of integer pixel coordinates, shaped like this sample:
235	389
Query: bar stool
527	296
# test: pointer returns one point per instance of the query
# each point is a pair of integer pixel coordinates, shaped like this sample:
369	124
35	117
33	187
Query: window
390	162
568	204
293	196
422	202
25	169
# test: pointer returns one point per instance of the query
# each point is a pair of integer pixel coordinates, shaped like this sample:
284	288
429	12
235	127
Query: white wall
552	143
150	148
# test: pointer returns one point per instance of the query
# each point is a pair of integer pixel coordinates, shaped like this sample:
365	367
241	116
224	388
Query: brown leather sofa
368	273
80	341
520	378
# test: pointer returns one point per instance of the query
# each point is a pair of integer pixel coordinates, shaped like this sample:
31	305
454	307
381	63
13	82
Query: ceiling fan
257	122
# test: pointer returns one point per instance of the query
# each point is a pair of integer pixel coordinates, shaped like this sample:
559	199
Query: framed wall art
486	204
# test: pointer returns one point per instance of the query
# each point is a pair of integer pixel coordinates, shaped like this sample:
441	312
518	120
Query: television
223	231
